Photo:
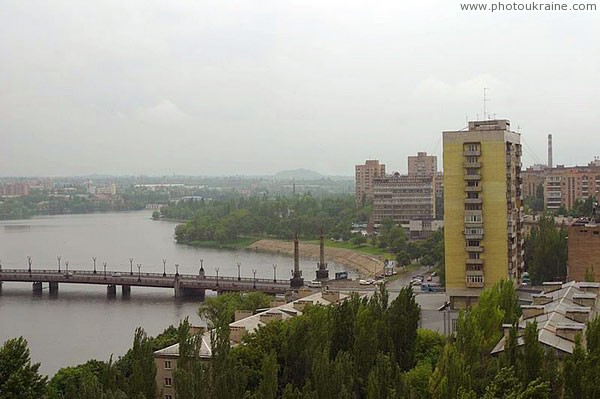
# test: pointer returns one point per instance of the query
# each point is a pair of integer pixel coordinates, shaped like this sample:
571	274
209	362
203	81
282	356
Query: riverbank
364	264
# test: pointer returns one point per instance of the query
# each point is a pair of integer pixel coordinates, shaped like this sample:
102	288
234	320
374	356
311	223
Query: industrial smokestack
550	151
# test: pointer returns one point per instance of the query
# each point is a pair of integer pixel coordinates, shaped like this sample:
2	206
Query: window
167	364
477	230
473	255
168	396
168	382
472	195
473	219
473	243
476	278
473	207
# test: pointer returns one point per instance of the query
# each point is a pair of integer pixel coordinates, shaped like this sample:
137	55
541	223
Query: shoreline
364	264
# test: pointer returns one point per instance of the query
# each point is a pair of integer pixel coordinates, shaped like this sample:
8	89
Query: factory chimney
550	151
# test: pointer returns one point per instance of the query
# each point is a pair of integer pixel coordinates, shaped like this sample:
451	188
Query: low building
583	251
561	312
245	323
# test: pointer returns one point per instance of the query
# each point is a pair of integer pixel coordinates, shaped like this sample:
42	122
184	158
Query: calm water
81	322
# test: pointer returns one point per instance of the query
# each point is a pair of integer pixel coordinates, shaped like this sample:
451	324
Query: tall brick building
364	177
584	251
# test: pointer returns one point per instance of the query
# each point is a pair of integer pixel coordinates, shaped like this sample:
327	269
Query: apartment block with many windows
483	209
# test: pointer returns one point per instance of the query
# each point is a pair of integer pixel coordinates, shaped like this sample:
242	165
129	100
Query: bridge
182	284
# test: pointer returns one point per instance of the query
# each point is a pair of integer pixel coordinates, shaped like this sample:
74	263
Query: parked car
363	282
315	284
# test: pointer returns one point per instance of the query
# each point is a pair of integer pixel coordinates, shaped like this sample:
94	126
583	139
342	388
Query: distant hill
298	174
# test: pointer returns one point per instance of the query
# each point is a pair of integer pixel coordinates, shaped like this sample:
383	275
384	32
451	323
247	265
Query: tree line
360	348
279	217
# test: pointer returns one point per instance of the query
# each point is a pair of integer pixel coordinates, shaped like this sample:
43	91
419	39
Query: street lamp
29	262
217	270
254	272
274	273
164	268
139	271
176	270
67	266
94	260
131	266
58	258
104	264
238	265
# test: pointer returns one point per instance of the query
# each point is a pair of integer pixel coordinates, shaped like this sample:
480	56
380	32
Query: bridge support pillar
111	290
198	293
53	287
126	291
37	286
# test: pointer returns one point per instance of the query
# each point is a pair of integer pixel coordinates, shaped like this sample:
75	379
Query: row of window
474	278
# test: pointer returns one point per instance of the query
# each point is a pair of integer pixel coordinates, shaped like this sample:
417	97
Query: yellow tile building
483	209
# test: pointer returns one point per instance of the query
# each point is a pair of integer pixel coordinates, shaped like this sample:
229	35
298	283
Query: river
81	322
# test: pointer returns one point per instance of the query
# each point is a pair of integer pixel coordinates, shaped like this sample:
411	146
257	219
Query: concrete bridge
182	284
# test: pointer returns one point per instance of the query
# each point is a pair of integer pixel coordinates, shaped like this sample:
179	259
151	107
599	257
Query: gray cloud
230	87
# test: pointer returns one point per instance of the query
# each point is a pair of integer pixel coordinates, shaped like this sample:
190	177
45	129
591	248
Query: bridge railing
146	275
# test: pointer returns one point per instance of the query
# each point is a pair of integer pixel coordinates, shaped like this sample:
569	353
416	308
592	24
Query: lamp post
29	263
201	271
94	259
104	264
131	266
164	268
176	270
67	266
58	258
274	273
139	271
254	272
238	265
0	266
217	270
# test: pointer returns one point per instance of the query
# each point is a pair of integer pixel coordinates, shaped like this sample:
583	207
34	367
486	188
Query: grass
240	243
364	248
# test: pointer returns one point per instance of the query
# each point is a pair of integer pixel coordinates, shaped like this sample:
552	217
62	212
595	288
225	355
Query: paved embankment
364	264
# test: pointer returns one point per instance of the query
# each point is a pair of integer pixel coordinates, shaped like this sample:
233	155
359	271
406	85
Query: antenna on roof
485	101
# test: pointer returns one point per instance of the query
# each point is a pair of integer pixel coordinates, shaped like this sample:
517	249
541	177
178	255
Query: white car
363	282
315	284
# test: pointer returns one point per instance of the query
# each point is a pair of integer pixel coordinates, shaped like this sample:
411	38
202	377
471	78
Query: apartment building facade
483	208
563	186
403	198
364	177
422	164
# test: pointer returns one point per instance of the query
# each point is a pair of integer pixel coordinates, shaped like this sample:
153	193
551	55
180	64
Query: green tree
141	382
19	379
546	251
268	384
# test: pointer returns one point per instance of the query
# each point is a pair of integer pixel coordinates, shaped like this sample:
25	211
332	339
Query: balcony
473	189
470	165
474	177
474	248
473	236
472	153
474	261
474	284
473	200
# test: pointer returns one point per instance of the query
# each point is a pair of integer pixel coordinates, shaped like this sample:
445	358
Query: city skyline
202	88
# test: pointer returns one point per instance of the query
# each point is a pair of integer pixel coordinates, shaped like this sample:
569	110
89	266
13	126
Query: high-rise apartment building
422	164
403	198
483	209
364	176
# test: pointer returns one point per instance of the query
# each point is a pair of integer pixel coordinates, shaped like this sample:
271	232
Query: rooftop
569	307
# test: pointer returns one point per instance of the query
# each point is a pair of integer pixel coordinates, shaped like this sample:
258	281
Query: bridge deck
222	283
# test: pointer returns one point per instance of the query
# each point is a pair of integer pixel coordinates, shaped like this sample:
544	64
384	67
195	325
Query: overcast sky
256	86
